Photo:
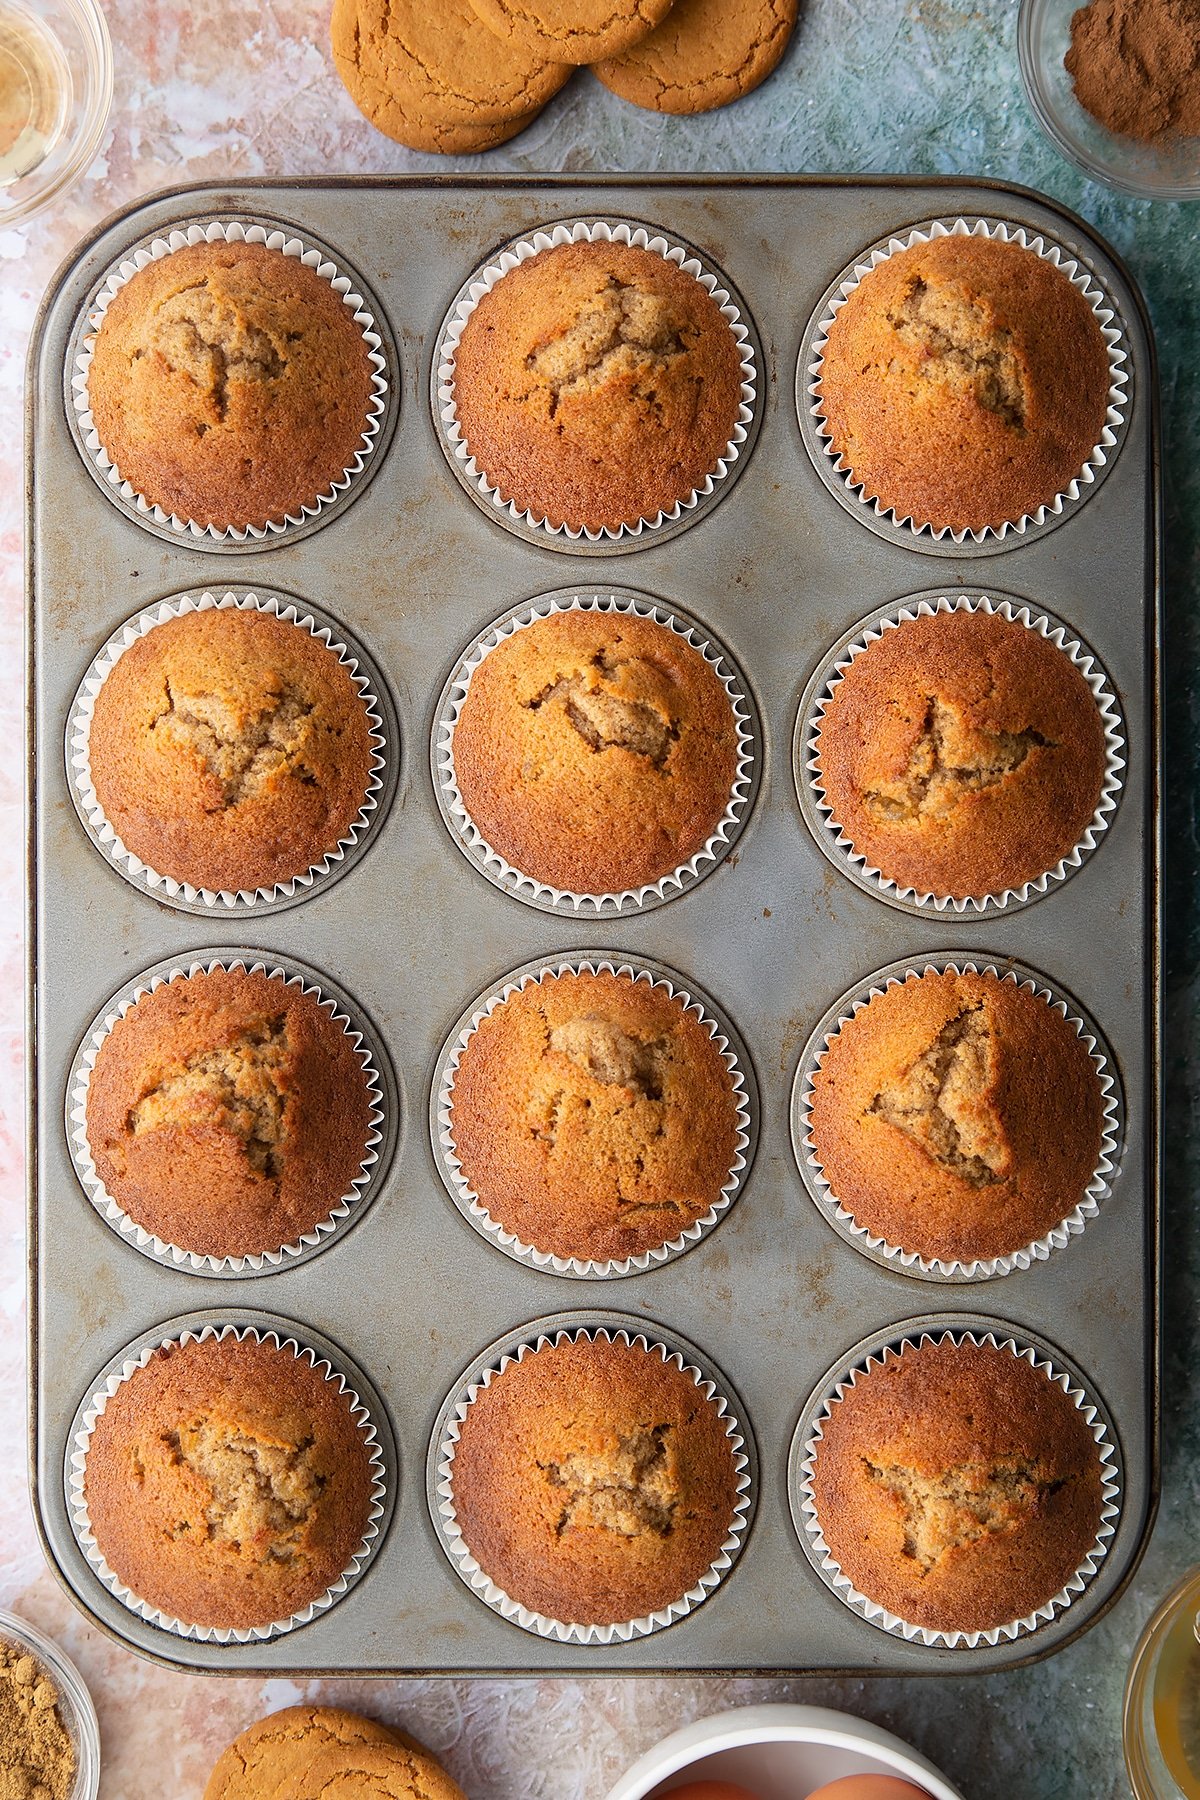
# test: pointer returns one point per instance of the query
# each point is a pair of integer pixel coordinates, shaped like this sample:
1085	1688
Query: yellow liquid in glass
35	92
1176	1702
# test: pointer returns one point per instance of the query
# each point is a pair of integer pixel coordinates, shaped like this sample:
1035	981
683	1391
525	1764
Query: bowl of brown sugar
49	1738
1116	85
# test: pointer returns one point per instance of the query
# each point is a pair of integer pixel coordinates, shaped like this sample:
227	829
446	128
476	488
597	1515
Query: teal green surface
934	88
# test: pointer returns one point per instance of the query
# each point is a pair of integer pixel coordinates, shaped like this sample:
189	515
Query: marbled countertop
928	86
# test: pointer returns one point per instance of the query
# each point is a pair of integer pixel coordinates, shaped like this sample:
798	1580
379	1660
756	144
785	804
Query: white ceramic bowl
779	1753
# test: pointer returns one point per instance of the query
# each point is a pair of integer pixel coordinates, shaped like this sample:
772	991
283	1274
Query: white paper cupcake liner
348	1208
526	887
836	470
593	231
107	1386
818	812
732	1052
539	1336
890	1347
181	894
908	1262
87	438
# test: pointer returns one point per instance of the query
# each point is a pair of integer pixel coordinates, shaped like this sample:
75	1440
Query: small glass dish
56	84
1166	170
74	1702
1161	1724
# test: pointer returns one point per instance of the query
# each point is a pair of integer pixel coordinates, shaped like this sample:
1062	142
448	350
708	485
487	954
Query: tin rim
528	888
581	541
383	1126
382	407
817	812
733	1053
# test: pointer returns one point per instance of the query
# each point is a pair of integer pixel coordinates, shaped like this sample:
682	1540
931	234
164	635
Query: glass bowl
56	83
1169	170
74	1702
1161	1725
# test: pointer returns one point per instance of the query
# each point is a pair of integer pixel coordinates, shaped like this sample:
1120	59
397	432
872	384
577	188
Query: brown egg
869	1787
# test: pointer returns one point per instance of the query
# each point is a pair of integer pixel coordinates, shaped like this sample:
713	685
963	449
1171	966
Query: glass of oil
1162	1700
55	95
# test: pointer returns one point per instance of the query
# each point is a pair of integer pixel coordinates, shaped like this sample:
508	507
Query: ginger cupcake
957	1485
597	385
228	1483
231	750
595	1116
597	750
964	383
230	385
958	1116
962	754
305	1751
593	1481
228	1113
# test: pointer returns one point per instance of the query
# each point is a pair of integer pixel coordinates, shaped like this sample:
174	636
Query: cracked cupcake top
229	384
593	1482
957	1116
596	751
227	1113
227	1483
593	1116
962	754
597	384
964	383
957	1486
230	749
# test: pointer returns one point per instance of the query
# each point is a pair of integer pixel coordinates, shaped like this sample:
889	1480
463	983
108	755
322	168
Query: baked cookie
307	1751
572	31
434	77
705	54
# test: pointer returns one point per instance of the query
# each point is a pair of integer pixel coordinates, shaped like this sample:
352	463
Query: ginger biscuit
704	54
572	31
307	1751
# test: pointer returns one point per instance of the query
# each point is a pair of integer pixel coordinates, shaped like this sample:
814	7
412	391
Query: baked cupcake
230	384
593	1482
962	754
957	1486
597	385
596	751
964	383
228	1113
306	1751
593	1116
957	1116
230	749
228	1483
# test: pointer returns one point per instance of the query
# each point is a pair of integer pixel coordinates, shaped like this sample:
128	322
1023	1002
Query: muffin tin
778	571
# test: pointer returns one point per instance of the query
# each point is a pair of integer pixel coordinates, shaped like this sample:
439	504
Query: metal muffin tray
778	570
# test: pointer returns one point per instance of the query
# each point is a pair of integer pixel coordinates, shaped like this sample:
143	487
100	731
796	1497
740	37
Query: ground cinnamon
1136	65
37	1757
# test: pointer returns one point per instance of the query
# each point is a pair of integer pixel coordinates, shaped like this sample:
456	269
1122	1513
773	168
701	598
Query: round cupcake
227	1483
304	1752
228	1113
957	1116
230	749
593	1116
962	754
964	383
593	1482
597	385
230	384
957	1486
596	750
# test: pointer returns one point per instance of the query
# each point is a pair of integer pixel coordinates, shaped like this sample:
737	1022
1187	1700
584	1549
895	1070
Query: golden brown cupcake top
957	1486
957	1116
593	1482
227	1483
230	749
964	383
594	1116
315	1752
596	751
228	1113
230	384
962	754
597	384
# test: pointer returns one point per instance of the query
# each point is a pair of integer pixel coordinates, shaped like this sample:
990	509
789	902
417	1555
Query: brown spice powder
1135	65
37	1757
